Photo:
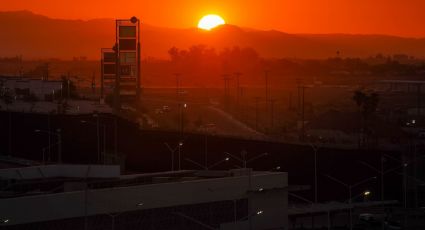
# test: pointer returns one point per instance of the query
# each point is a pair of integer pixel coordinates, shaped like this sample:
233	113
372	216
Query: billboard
128	42
121	66
108	70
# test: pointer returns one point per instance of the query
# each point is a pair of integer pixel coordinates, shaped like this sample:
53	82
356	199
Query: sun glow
210	21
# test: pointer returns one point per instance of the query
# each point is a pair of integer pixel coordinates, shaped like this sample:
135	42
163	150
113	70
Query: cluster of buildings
24	87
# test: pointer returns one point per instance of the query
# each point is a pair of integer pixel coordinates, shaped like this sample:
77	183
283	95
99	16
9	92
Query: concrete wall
93	202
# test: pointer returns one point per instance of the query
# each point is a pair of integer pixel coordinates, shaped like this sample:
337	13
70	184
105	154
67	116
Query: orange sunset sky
394	17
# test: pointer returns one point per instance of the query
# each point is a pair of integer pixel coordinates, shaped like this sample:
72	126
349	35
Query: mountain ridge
38	36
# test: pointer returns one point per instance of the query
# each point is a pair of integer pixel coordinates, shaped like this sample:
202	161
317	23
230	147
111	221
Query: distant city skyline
390	17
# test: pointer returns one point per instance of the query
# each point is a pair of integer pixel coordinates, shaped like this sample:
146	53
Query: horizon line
245	28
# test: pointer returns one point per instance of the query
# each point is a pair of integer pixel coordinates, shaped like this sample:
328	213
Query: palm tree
367	104
359	98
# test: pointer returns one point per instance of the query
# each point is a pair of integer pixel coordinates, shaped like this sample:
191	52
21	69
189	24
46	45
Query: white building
98	197
40	88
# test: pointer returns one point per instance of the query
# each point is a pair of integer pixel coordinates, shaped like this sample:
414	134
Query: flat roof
103	177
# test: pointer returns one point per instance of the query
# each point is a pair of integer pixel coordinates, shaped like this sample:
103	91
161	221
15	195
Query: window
109	68
127	31
128	57
127	70
127	44
109	57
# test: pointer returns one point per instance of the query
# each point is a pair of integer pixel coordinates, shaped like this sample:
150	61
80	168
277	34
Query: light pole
4	221
179	147
206	167
266	76
173	150
206	147
250	215
243	159
257	100
99	154
244	162
382	172
58	134
238	75
350	187
181	118
274	169
177	85
44	152
98	137
365	195
315	149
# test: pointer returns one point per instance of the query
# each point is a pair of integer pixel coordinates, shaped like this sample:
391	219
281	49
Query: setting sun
211	21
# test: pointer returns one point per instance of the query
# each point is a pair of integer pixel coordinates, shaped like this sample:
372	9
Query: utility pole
266	75
301	106
67	84
272	101
298	96
10	133
290	101
93	83
59	134
177	84
99	157
257	100
116	136
238	92
226	80
419	99
302	115
46	72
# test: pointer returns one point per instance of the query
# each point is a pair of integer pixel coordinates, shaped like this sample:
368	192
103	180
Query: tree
367	104
68	88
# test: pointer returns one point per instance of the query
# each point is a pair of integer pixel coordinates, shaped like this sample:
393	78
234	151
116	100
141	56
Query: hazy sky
395	17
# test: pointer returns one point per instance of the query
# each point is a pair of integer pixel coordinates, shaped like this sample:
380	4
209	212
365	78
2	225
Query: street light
173	150
382	172
315	149
180	146
4	221
350	187
44	152
99	155
274	169
181	117
208	167
364	194
243	159
58	134
249	217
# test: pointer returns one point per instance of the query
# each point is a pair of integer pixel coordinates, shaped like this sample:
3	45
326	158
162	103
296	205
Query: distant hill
36	36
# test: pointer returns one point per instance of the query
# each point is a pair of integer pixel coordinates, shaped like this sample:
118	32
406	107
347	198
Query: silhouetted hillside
35	36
